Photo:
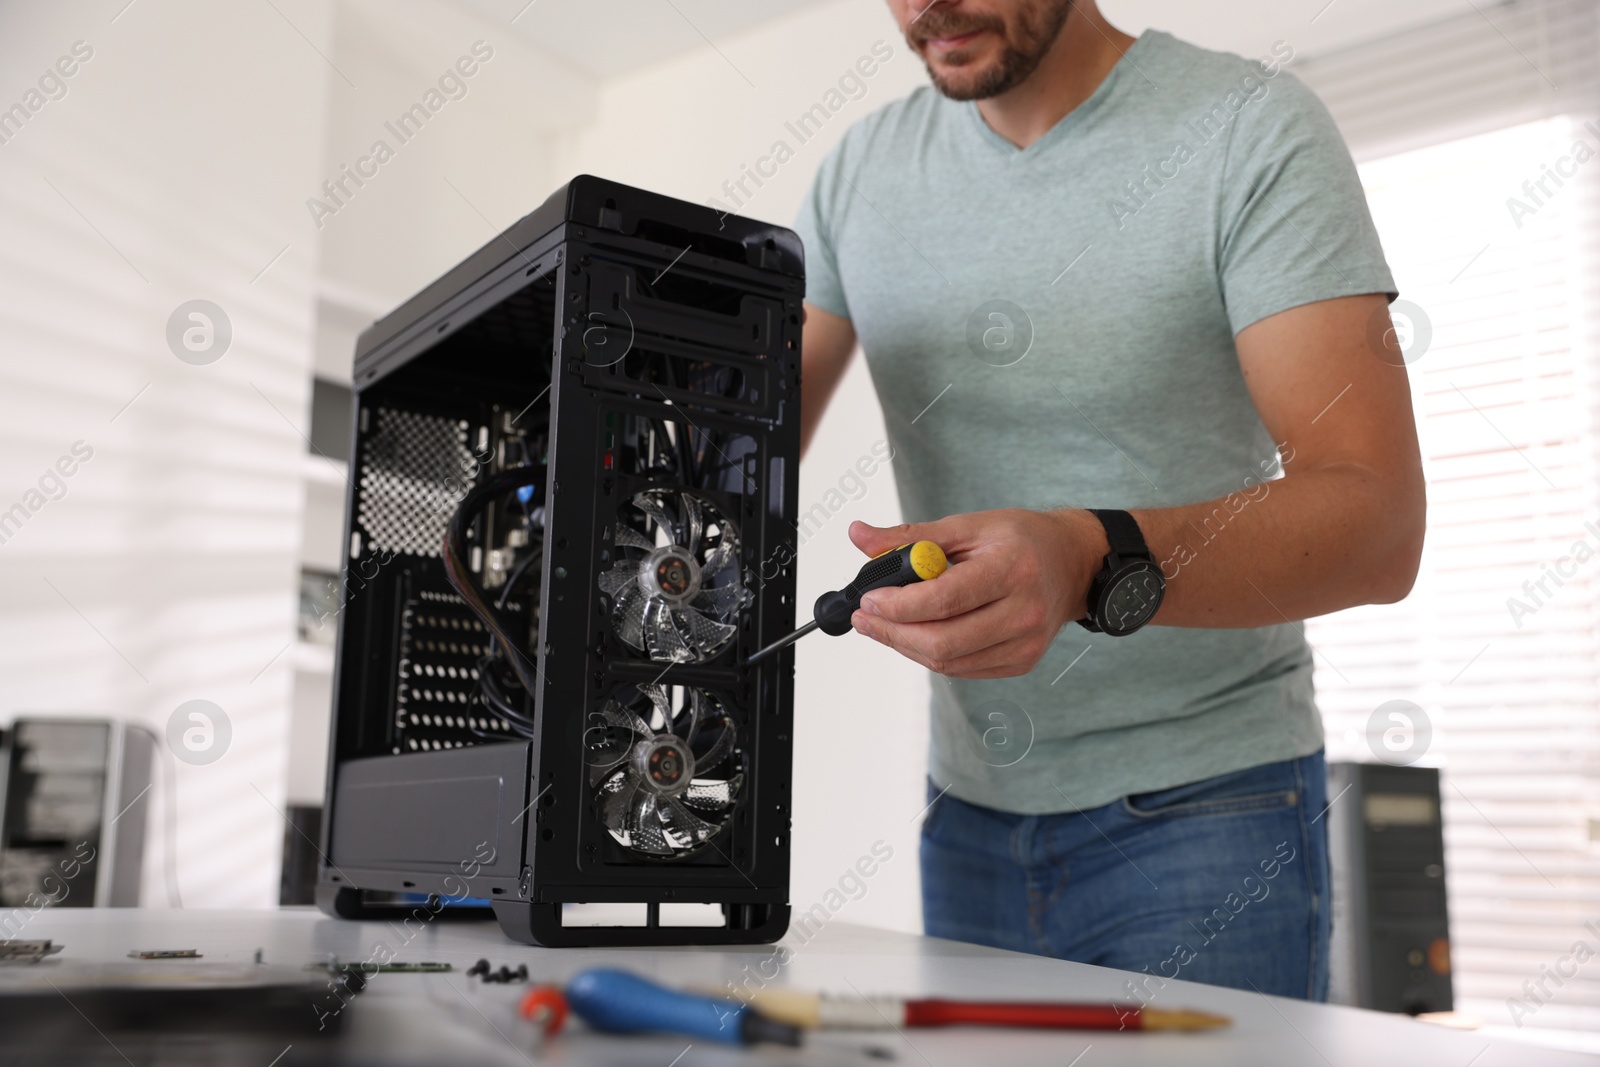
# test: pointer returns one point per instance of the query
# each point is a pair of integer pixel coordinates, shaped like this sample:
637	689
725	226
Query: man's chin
970	81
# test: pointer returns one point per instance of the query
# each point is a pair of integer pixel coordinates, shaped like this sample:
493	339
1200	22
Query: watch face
1131	597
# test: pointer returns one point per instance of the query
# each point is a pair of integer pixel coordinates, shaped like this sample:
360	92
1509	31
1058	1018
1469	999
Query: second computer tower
1391	923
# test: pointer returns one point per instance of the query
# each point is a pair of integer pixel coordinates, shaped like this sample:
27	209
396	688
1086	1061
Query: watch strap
1122	533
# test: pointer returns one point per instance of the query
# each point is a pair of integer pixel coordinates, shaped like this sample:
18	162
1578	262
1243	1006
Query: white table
450	1019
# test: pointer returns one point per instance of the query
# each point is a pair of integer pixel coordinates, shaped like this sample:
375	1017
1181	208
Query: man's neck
1079	60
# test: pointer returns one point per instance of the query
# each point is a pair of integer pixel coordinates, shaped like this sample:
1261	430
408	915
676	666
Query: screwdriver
618	1002
918	562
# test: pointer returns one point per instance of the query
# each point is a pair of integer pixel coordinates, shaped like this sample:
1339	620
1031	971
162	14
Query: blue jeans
1223	881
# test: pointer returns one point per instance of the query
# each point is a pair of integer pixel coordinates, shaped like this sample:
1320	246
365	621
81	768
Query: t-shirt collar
1125	67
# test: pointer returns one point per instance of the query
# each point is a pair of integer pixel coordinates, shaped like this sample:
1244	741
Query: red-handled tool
921	1013
813	1012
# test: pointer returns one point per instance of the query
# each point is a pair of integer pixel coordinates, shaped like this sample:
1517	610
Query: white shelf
343	311
360	302
313	658
322	471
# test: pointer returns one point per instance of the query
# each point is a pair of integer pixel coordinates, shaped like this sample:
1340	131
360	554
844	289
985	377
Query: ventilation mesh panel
441	642
415	469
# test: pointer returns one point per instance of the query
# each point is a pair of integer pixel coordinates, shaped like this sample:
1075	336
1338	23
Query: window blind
1499	65
1498	642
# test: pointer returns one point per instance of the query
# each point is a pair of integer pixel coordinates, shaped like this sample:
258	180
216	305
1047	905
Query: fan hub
664	764
670	573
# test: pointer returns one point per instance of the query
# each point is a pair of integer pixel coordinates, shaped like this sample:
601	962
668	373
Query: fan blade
627	615
647	626
628	537
685	823
663	706
620	788
651	504
615	714
725	555
695	706
718	751
603	749
700	633
661	639
618	577
723	601
693	522
705	794
597	775
644	825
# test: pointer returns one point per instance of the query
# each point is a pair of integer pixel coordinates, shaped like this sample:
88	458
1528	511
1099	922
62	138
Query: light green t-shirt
1054	327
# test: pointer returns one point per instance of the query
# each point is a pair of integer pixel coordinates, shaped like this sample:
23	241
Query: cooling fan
675	590
665	768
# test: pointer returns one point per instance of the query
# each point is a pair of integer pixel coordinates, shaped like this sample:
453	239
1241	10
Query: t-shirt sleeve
1295	227
815	227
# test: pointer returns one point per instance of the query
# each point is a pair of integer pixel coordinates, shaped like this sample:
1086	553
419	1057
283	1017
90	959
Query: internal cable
516	575
453	551
489	691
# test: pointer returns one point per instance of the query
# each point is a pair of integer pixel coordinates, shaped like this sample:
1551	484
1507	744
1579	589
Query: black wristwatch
1124	596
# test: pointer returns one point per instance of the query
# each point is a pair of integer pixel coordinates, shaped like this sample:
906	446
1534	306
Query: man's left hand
1016	578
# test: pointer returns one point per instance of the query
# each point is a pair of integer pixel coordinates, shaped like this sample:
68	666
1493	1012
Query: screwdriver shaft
784	642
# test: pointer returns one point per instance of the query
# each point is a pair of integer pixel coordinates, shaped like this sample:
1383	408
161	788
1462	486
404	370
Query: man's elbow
1395	574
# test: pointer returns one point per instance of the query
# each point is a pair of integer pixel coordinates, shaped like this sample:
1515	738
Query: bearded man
1126	312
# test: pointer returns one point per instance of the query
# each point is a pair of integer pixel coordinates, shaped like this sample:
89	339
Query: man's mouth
946	44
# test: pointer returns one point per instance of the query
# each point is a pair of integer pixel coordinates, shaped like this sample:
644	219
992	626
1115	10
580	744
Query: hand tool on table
545	1007
621	1003
813	1012
920	561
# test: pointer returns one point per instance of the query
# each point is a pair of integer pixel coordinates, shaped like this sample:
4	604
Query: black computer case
593	421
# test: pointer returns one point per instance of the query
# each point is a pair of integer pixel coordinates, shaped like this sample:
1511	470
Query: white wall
683	128
172	169
478	164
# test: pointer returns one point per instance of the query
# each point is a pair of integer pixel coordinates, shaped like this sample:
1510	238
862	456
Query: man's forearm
1326	537
1318	541
826	345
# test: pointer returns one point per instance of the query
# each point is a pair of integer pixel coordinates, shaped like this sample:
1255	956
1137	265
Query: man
1094	272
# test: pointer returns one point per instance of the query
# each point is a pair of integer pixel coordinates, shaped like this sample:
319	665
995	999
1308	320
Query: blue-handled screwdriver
622	1003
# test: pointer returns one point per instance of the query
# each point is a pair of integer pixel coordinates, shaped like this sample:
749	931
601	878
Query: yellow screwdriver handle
918	562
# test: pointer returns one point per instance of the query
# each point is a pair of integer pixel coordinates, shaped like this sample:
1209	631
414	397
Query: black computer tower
571	517
1391	923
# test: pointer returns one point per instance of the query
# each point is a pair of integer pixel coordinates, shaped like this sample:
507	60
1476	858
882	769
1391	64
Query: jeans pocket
1152	806
1269	787
933	813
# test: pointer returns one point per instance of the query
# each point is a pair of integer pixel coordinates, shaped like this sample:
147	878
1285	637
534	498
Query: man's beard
1037	27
